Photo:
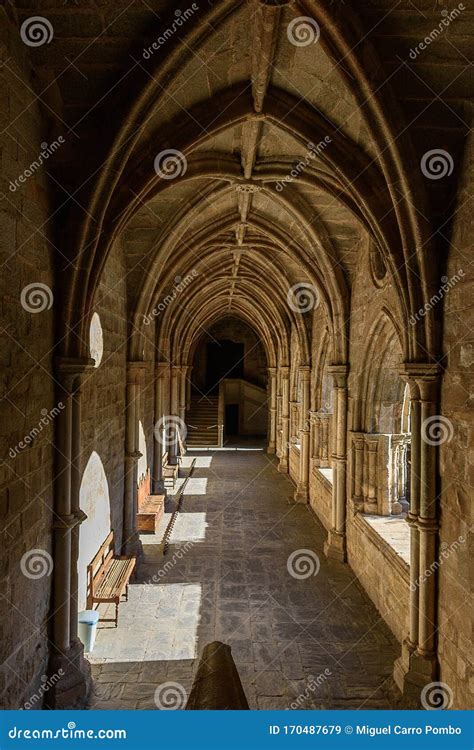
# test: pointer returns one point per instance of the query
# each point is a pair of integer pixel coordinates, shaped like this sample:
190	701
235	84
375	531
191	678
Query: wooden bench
108	576
150	513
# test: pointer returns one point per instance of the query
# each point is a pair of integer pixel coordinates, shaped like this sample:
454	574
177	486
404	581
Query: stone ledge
391	554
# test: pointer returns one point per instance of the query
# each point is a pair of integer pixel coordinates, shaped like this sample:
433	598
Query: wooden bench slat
108	575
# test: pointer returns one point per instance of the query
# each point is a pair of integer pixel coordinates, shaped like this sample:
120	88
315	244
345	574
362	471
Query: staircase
202	422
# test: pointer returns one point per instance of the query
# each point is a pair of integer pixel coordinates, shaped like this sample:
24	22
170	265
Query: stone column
130	538
67	653
371	505
272	409
182	393
418	664
302	490
357	471
335	545
283	466
324	445
158	487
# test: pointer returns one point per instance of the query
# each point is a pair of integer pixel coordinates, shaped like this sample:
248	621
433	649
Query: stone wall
103	411
320	496
456	461
382	573
27	382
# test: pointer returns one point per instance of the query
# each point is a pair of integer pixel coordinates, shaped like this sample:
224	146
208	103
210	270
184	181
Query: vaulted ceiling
258	143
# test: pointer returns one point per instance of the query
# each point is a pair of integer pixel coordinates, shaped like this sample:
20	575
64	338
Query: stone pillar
283	466
272	409
158	487
418	664
182	393
302	490
371	505
72	688
324	445
357	472
130	538
335	545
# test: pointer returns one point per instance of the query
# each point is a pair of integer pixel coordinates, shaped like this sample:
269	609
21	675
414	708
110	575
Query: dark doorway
232	419
225	359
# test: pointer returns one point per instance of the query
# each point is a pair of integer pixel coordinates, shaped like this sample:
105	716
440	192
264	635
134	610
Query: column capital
69	368
305	372
136	372
285	371
339	374
420	371
272	370
161	368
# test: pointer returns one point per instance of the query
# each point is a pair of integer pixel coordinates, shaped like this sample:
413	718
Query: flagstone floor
245	566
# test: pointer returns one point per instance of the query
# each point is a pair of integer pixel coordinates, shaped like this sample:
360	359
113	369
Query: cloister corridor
238	233
233	584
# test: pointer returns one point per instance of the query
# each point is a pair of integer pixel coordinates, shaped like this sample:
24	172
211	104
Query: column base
70	679
133	546
271	448
283	466
335	546
302	494
412	671
158	486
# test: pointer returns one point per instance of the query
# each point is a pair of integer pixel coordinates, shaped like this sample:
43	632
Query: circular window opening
96	340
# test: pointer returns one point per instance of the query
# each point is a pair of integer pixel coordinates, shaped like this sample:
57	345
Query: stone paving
308	642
